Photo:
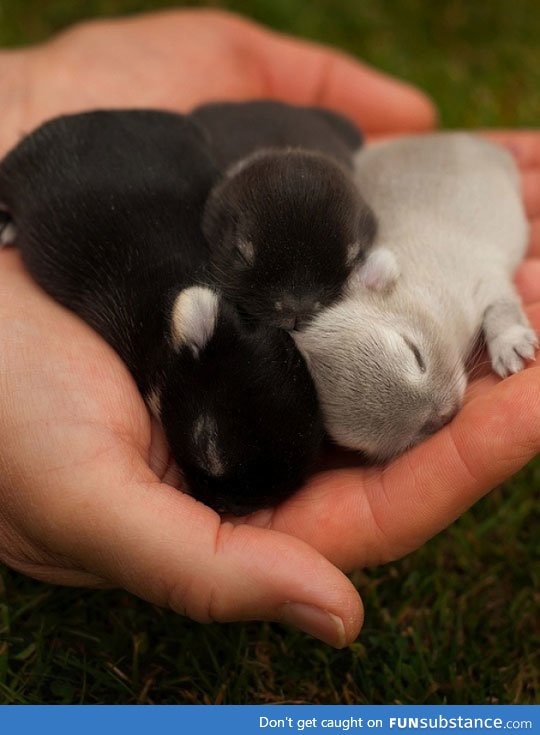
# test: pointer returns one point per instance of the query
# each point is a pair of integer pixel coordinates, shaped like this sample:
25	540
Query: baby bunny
286	224
237	130
390	368
105	208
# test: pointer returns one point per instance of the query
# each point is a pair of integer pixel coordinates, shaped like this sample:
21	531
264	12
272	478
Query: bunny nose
288	322
295	313
294	322
439	420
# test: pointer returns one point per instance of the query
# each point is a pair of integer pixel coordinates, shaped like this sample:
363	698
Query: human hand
359	517
178	59
84	494
342	513
85	498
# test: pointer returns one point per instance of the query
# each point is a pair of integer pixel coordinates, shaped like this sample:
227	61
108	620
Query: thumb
379	103
171	550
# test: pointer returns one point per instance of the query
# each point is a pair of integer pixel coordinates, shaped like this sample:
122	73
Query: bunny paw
509	350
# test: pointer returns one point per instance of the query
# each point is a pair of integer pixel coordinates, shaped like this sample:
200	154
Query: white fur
205	438
193	318
8	234
449	210
247	250
380	271
153	401
401	353
509	350
353	251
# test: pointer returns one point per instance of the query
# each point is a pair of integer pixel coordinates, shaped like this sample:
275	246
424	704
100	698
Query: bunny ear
379	271
194	317
218	218
353	251
223	210
7	228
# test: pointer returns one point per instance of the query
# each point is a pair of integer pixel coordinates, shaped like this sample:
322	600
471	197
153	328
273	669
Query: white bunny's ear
193	319
378	272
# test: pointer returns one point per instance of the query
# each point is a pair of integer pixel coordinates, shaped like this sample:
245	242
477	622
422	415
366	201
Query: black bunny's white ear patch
7	228
353	251
193	319
247	251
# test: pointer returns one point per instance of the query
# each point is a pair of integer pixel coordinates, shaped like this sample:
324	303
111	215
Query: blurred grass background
456	622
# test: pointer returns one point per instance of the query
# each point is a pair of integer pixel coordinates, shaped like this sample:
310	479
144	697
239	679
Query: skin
87	493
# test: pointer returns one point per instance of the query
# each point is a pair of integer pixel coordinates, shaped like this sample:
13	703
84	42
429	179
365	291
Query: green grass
455	622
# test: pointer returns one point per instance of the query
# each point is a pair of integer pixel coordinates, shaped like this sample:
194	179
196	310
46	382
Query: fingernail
319	623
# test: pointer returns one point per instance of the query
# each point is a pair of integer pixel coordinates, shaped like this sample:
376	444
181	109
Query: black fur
268	425
107	207
300	213
5	220
292	198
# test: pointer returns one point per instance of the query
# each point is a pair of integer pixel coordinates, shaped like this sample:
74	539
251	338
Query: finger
167	548
376	101
534	239
373	516
87	496
524	144
531	193
528	280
